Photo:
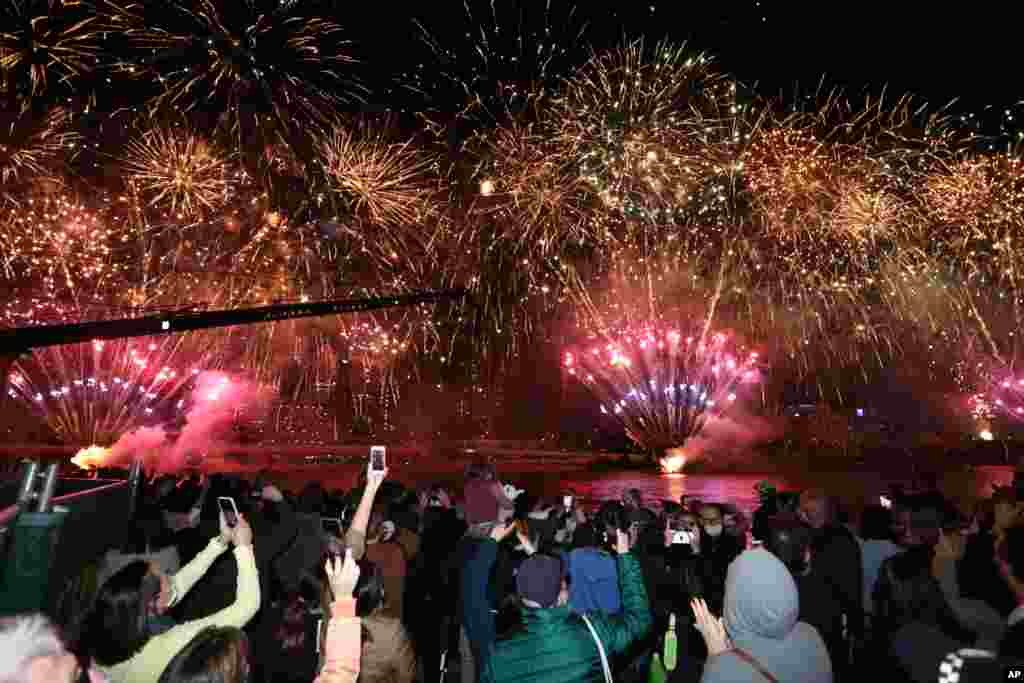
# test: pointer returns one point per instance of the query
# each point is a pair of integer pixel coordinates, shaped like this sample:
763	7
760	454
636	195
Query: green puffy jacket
555	646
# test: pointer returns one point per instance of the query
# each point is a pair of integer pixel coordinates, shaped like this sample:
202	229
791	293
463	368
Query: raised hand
242	532
711	627
342	575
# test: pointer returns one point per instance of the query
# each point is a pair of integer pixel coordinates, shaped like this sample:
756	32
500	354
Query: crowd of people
385	583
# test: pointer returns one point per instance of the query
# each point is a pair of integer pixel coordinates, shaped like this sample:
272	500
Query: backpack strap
749	659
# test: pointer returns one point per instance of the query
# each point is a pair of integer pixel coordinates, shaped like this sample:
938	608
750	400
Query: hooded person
553	644
761	619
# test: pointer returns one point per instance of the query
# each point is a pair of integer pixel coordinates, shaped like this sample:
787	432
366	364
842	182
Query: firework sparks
512	52
45	43
179	171
33	149
60	250
663	385
92	457
92	393
250	60
651	131
529	196
388	185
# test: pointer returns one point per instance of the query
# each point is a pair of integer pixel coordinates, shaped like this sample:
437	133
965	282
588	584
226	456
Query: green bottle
670	657
657	673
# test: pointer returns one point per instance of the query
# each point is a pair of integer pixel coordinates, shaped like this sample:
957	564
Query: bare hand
501	531
374	478
712	628
525	543
342	576
242	532
622	544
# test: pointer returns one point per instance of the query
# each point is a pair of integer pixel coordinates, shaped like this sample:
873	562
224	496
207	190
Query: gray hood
761	599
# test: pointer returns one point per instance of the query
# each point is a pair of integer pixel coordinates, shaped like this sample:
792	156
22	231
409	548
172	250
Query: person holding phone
355	537
122	647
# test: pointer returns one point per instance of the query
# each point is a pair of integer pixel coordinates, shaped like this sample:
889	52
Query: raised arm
247	595
618	632
355	537
343	642
186	577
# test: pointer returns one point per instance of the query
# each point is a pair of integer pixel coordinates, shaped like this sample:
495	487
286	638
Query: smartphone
567	501
331	525
682	538
319	634
230	510
377	458
885	502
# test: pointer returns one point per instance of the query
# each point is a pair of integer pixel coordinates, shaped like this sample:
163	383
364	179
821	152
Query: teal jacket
555	646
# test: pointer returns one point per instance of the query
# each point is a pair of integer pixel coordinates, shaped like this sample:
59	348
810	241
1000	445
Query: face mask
713	530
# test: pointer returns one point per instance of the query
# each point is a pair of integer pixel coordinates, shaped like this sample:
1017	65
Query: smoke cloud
733	434
216	401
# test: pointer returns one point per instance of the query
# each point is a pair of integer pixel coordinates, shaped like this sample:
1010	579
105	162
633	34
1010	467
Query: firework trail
382	194
34	149
254	61
512	53
663	384
92	393
178	171
651	130
47	44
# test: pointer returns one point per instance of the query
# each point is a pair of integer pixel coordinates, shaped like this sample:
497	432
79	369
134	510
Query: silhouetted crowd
385	583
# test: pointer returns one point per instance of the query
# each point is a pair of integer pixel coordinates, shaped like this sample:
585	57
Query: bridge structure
45	538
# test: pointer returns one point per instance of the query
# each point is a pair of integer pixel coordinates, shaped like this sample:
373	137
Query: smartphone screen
377	458
567	501
319	634
885	502
230	510
682	538
332	525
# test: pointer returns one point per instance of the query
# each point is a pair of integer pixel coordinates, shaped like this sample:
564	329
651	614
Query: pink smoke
217	400
734	434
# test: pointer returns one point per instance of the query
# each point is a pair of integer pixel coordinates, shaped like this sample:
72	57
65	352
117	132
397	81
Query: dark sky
939	52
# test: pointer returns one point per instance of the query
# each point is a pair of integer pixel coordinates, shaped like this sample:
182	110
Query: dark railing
22	339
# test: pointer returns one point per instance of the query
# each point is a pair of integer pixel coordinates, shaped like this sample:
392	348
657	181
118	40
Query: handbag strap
600	649
749	659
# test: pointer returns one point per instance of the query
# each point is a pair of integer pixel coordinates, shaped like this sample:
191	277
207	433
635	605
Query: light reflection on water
855	488
591	488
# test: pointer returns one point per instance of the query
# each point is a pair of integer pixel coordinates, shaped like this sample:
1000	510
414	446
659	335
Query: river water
557	477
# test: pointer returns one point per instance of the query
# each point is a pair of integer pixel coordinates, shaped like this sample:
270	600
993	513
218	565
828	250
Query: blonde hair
24	638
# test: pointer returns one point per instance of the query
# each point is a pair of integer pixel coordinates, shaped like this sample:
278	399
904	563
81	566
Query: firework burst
93	393
46	44
61	250
663	384
382	184
652	133
512	53
254	61
178	171
34	149
528	199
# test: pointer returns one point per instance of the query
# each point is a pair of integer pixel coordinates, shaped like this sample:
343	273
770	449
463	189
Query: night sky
937	53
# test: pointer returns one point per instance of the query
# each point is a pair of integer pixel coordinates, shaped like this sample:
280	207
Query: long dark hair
907	592
291	631
214	655
115	628
369	590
